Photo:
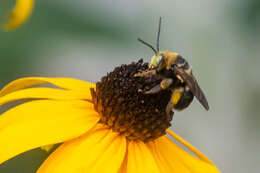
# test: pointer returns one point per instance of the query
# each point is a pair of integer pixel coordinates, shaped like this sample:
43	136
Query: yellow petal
100	150
38	123
19	14
171	158
44	93
140	159
66	83
123	167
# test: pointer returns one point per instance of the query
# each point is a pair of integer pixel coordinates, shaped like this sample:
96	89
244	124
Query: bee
176	75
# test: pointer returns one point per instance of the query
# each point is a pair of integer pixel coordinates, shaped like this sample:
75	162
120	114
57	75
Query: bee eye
155	61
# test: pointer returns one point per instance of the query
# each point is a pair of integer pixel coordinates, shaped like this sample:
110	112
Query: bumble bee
176	75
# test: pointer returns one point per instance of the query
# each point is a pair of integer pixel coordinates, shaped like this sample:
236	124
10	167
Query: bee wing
193	85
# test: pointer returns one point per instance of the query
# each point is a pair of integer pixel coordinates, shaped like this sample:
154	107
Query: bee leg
146	73
154	90
165	84
169	111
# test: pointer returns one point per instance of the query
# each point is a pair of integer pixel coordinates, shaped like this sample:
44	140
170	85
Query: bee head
155	61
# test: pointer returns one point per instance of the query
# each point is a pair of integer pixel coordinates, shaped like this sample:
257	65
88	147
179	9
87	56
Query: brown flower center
126	109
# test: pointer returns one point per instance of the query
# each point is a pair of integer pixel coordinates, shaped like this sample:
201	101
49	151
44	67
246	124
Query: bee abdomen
181	98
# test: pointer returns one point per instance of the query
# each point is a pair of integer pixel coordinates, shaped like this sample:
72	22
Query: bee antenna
158	34
147	44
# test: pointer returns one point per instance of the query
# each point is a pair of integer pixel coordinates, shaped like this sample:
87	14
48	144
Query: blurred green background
86	39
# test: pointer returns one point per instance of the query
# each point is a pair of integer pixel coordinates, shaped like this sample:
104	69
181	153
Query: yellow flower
19	14
73	114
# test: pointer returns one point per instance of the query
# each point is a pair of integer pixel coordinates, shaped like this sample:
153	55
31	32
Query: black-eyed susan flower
19	14
105	127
